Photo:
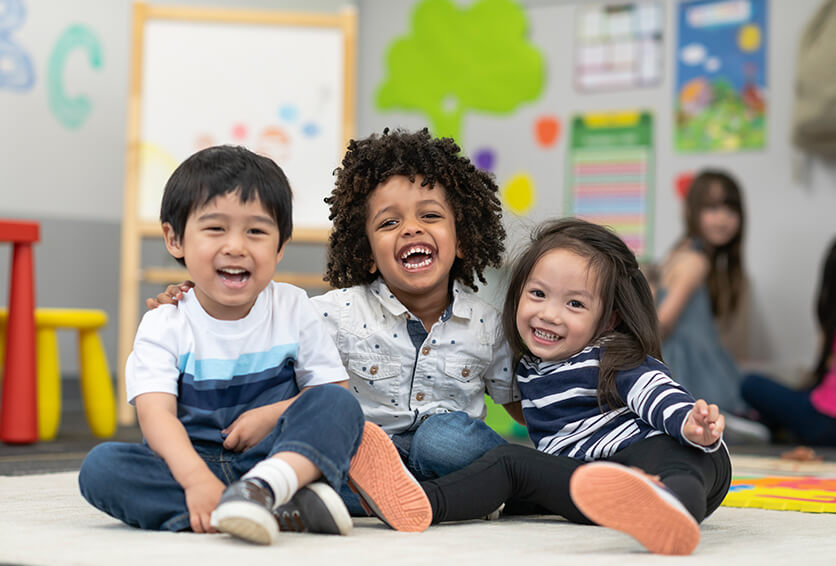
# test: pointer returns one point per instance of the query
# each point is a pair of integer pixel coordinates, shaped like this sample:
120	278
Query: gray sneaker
245	511
316	508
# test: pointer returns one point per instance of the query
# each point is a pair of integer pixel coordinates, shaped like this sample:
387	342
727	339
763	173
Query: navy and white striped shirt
560	405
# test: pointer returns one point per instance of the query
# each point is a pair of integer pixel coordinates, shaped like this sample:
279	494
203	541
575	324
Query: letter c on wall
71	111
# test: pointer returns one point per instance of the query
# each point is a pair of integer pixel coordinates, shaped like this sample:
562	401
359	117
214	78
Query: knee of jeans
459	432
92	467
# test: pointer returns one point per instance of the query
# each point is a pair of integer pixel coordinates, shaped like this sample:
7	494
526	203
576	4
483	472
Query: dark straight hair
623	290
218	170
726	277
826	313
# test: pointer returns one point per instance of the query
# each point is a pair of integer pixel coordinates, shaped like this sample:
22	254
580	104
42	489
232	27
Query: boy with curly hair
415	223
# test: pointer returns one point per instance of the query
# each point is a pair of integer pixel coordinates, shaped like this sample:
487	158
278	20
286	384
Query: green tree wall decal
459	59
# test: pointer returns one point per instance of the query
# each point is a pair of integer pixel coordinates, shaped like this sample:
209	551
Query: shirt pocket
374	378
465	374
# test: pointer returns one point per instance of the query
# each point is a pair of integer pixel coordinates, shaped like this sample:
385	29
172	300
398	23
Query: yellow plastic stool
96	384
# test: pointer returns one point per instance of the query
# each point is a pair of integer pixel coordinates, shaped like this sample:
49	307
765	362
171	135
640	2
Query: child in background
238	388
415	223
809	414
702	279
618	442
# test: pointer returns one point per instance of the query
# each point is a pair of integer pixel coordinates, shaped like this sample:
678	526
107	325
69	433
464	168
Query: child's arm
515	410
165	435
688	271
704	425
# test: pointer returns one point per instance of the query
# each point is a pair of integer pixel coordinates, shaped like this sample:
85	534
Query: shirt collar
462	305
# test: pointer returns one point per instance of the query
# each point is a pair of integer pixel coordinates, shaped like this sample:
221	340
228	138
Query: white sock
278	474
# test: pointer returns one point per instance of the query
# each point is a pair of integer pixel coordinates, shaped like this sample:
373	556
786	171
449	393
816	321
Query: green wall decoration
460	59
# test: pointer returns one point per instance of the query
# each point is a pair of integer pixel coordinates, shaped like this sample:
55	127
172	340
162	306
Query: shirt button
465	372
373	370
419	397
425	350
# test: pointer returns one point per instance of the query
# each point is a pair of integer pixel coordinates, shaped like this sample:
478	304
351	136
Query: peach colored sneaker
384	484
630	501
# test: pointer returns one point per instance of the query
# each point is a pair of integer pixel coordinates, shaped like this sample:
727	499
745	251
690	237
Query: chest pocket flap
374	368
464	369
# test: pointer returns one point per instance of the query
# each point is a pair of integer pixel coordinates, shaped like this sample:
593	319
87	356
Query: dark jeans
131	483
782	407
529	481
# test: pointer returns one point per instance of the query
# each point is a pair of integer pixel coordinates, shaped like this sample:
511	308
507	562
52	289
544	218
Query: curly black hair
368	162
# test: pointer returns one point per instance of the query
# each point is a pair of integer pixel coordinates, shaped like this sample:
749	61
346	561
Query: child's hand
251	427
201	499
170	296
704	424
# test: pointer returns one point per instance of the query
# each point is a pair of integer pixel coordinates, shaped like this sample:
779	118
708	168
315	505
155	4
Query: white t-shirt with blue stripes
561	409
219	369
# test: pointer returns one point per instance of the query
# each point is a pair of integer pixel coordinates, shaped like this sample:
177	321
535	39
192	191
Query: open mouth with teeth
233	276
545	337
417	257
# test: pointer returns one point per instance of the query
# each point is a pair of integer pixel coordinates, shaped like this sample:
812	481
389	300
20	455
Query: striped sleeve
659	401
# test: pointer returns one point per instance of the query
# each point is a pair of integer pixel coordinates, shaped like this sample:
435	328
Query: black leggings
532	482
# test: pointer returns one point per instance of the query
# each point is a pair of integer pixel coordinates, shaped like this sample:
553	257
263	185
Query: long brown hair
623	289
726	279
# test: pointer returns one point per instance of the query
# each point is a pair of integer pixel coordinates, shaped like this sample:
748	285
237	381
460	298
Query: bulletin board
281	84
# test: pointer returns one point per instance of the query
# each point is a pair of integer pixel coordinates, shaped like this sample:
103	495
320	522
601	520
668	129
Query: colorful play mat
807	494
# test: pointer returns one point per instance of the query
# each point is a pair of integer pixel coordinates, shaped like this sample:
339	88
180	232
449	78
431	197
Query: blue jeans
131	483
442	444
782	407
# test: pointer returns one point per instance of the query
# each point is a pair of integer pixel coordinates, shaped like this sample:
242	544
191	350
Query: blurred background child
809	414
702	280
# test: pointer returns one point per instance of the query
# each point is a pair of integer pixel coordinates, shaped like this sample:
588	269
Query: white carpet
44	521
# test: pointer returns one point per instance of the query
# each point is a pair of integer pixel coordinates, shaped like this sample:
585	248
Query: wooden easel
135	228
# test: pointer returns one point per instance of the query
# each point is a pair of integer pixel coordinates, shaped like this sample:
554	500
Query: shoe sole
626	500
383	483
246	521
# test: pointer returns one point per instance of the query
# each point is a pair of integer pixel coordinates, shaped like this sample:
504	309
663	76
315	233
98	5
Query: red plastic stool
19	410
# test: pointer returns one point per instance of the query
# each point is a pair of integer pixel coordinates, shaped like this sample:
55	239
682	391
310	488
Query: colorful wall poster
618	46
721	76
610	175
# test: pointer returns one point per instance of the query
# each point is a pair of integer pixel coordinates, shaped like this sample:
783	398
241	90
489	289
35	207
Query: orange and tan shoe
630	501
386	488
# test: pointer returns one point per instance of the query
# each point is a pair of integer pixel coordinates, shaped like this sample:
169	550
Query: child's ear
280	255
459	252
172	242
373	267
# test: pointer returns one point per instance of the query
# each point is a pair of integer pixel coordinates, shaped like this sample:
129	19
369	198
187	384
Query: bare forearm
167	436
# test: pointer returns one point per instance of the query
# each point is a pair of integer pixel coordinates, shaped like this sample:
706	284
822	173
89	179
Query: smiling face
230	249
560	307
412	234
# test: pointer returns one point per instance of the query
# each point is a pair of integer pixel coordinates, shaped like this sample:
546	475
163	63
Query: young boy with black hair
239	392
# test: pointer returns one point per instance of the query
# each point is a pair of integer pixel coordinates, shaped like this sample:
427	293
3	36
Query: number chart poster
721	75
611	165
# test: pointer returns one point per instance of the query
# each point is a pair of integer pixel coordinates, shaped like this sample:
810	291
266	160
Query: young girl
415	224
702	280
618	442
809	414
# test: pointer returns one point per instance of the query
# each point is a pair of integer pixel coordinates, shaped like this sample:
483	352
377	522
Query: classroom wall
70	178
790	220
